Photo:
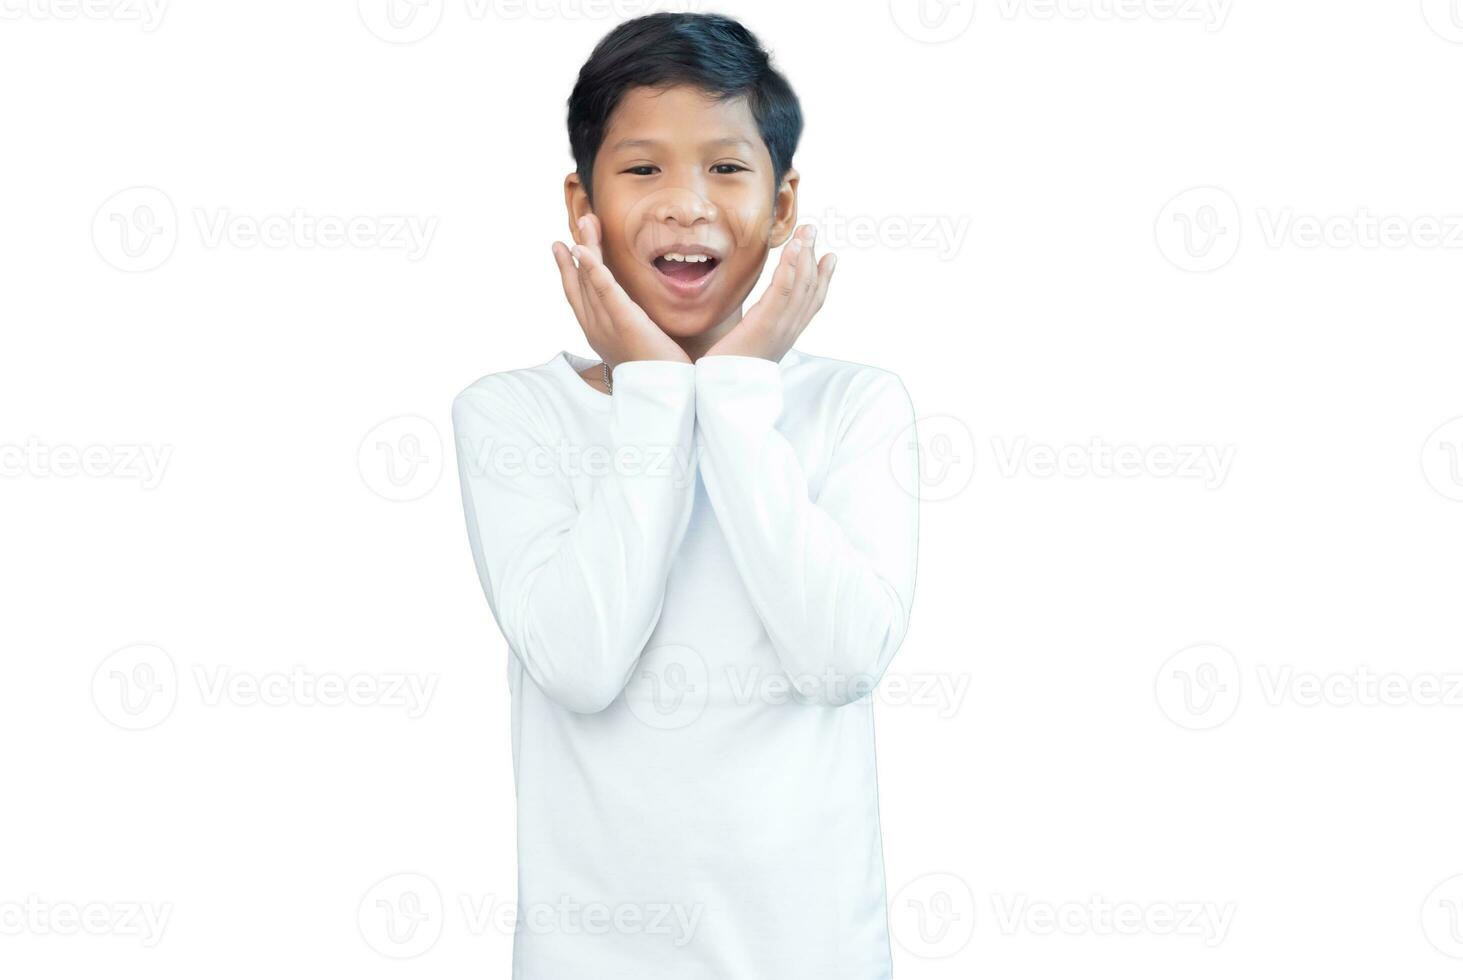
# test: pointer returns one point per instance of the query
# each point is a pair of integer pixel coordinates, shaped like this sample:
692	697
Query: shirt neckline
570	364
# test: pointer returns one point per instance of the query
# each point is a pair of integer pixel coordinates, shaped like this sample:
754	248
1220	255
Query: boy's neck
698	345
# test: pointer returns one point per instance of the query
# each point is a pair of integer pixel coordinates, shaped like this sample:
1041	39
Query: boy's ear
784	209
576	202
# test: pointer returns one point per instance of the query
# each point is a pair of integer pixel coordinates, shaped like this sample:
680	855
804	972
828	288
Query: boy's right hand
615	326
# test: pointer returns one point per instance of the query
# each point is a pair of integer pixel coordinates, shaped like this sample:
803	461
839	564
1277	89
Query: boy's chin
684	324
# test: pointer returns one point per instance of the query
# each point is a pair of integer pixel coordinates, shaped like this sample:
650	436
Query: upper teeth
678	257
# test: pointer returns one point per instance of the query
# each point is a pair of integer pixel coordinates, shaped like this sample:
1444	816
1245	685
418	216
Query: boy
701	549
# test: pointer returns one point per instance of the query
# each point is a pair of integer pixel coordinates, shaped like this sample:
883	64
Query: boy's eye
642	170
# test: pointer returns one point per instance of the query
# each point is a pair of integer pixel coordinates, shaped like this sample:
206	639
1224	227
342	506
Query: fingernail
795	246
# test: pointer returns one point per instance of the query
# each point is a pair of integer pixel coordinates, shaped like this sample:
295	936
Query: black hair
708	51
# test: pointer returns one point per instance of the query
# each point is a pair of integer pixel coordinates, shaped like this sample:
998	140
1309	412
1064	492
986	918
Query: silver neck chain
609	385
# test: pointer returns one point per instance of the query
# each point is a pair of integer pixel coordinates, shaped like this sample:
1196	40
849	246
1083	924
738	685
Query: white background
1004	183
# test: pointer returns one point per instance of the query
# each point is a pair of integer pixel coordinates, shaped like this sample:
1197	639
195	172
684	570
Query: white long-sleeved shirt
700	578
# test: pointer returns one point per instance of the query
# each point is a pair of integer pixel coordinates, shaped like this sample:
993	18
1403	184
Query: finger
594	305
569	274
778	297
621	310
591	258
815	303
582	254
807	281
825	276
799	308
593	235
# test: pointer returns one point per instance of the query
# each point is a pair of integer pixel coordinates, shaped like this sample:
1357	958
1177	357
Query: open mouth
690	269
686	272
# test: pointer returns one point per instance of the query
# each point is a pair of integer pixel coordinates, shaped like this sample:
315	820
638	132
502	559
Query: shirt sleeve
832	579
577	592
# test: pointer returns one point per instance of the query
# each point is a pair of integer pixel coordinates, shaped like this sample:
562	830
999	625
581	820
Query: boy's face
677	167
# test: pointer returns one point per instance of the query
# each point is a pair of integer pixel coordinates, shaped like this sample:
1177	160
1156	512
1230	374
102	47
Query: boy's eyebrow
723	141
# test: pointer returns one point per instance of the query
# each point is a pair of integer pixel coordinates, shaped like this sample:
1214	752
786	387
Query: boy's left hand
796	292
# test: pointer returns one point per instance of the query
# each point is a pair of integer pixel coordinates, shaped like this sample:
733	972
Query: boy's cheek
751	228
637	287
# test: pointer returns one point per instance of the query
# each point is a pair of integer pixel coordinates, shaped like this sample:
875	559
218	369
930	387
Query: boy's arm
831	579
577	593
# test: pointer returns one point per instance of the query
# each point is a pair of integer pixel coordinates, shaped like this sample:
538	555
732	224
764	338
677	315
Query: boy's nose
682	205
